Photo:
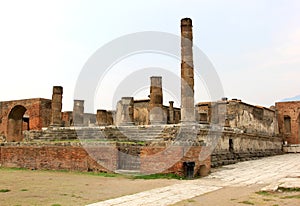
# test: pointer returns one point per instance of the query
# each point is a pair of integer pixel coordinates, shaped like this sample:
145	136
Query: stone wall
289	121
141	113
235	146
293	148
237	114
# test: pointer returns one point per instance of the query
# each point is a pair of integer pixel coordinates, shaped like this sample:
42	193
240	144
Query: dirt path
65	188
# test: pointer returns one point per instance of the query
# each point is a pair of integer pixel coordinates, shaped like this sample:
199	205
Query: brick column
156	114
102	117
56	106
78	110
187	72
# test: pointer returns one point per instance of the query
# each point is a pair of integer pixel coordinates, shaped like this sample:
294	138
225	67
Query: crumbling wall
252	119
237	114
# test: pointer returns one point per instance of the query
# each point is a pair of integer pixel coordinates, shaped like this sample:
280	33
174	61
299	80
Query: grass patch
264	193
157	176
101	174
247	202
267	200
295	189
23	190
4	190
191	200
56	205
291	197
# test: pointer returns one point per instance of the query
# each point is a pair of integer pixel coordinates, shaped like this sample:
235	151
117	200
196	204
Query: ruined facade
237	114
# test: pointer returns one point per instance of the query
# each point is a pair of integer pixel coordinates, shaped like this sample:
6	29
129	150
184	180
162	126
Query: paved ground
274	171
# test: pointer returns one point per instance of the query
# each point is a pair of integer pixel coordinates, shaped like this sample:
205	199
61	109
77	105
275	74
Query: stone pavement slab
276	170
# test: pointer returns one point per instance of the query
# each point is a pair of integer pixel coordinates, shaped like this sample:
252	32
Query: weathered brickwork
288	114
158	159
54	157
36	112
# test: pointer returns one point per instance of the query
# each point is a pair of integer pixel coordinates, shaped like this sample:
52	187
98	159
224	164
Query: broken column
156	114
127	106
187	72
56	106
171	113
78	110
102	117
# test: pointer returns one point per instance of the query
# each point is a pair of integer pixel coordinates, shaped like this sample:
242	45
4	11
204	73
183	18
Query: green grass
157	176
4	190
264	193
101	174
23	190
56	205
295	189
291	197
247	202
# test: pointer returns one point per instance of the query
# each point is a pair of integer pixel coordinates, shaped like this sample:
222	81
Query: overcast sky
254	45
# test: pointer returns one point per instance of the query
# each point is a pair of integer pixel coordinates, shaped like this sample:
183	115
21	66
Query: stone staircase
124	133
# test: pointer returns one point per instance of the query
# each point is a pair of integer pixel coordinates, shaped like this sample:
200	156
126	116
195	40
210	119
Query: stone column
127	111
187	72
56	106
171	113
156	114
102	117
78	110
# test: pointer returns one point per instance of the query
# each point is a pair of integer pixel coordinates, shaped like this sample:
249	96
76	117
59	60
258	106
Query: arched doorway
15	123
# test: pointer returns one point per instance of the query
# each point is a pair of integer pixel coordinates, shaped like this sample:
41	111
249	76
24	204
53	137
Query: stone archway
15	124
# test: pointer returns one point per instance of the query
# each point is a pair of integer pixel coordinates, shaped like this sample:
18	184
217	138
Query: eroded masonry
144	135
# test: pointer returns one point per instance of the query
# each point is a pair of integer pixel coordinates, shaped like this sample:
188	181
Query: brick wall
38	110
53	157
155	159
291	110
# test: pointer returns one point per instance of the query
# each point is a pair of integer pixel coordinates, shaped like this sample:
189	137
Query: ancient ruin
144	135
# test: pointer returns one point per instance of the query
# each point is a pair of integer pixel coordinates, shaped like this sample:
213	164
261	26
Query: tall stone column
78	110
156	114
56	106
127	111
171	113
187	72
